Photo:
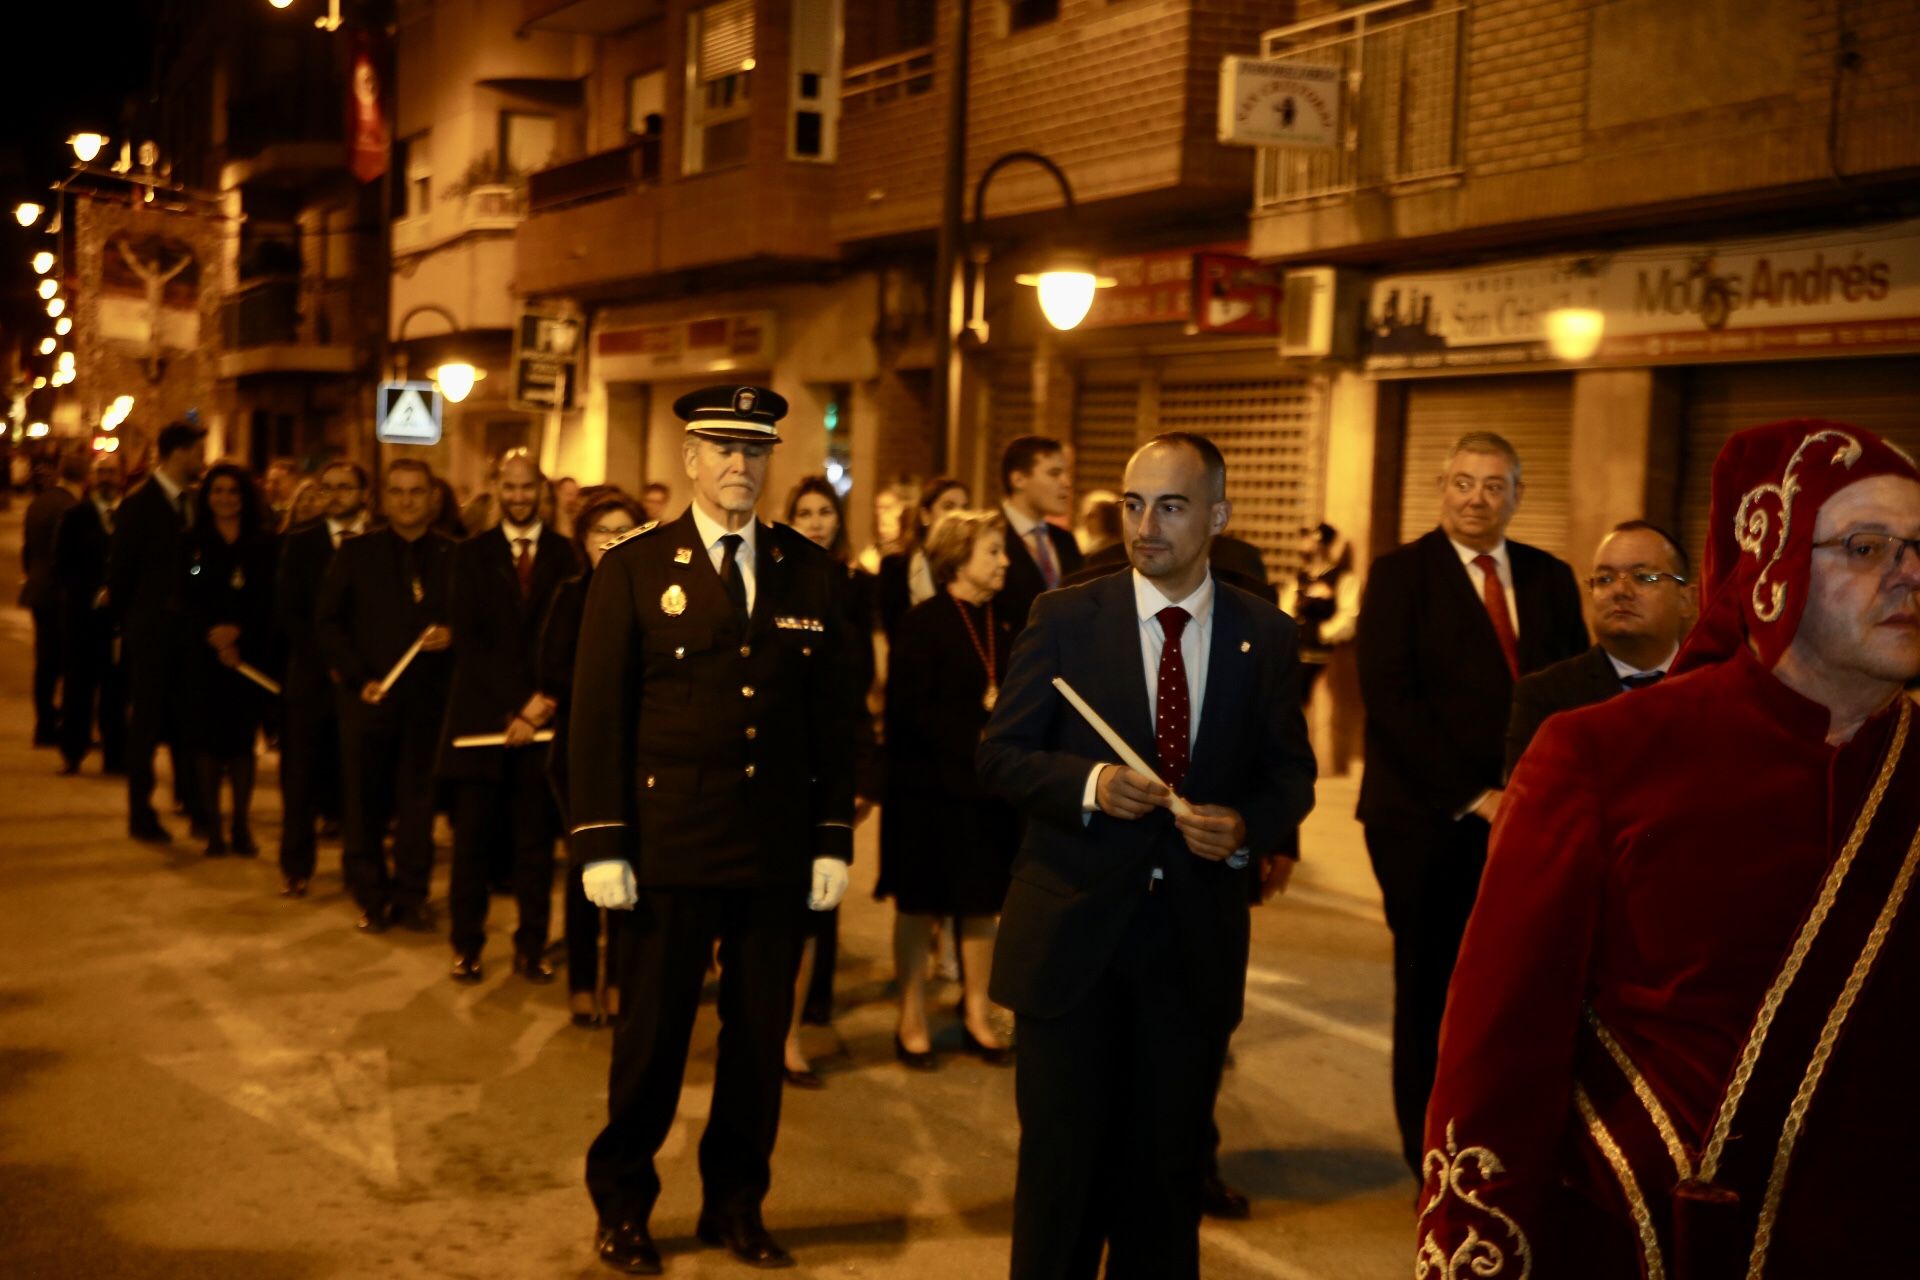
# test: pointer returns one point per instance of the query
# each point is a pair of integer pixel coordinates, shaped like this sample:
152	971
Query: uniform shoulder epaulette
630	534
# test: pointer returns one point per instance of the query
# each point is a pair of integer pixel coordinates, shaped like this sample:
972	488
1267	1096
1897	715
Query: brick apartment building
754	191
1728	184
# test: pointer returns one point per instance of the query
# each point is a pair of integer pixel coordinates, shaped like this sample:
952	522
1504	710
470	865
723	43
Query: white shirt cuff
1466	812
1090	798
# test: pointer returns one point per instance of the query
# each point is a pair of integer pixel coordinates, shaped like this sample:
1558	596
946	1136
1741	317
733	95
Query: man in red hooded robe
1680	1042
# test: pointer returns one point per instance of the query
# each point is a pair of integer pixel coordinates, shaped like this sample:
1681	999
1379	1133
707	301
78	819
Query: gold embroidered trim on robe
1656	1110
1477	1256
1650	1258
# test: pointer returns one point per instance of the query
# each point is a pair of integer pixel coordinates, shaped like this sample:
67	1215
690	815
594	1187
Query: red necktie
1496	598
1043	556
523	564
1171	714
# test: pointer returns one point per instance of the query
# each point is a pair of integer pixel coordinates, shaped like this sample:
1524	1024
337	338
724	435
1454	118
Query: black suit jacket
1577	682
305	554
37	534
147	570
496	641
1024	582
1077	879
367	616
1436	686
80	558
1113	558
699	753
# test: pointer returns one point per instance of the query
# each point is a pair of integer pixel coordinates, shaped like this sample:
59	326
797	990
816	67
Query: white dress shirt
1023	526
173	492
1623	670
1467	557
711	531
341	530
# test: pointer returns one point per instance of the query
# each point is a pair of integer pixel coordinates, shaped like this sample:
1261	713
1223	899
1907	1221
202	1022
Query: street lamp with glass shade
455	379
42	263
1066	285
1574	333
26	213
87	146
48	288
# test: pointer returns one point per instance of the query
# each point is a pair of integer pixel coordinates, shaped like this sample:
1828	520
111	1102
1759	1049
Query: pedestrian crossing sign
408	413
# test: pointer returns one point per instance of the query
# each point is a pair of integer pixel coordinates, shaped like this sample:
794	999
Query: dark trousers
309	775
159	704
46	674
1115	1100
664	950
1429	875
387	757
581	921
93	689
518	806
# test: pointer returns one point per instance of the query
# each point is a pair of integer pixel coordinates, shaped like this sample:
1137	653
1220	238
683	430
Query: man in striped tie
1039	487
1448	623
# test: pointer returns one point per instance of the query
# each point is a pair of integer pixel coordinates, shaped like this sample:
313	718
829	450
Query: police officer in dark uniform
712	794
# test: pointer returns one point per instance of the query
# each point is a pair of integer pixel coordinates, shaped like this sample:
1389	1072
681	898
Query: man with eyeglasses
310	787
1642	600
1679	1039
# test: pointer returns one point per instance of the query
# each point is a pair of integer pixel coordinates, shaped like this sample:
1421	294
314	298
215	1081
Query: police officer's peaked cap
732	413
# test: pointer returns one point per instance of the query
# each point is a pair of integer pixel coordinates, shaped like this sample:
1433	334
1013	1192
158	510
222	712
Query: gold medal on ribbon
673	601
419	592
992	696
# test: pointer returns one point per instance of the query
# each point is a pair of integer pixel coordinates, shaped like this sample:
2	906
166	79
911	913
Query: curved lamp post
455	378
1066	280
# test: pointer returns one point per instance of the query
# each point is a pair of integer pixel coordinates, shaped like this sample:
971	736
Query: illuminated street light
455	379
279	4
87	145
1067	285
1574	333
26	213
39	382
56	306
66	361
49	287
116	413
35	430
47	345
42	263
63	326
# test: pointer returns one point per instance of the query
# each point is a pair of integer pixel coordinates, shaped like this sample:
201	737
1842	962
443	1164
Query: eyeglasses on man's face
1632	579
1874	552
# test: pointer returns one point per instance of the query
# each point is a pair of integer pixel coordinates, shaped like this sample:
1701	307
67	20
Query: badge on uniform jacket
683	556
673	601
799	624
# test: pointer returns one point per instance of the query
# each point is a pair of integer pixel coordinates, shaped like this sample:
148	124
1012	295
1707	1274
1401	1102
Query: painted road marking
1362	1036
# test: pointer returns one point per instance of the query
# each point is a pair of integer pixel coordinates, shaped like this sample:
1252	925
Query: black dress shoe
992	1055
915	1061
466	968
295	887
803	1079
414	918
532	968
69	767
242	843
745	1237
1218	1200
627	1248
216	848
372	920
149	831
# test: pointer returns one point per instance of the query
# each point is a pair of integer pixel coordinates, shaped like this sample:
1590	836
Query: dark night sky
73	65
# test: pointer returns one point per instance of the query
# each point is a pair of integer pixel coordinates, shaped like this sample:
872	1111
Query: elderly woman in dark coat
945	847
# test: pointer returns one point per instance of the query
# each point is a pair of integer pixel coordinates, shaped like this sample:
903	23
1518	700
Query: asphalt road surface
201	1079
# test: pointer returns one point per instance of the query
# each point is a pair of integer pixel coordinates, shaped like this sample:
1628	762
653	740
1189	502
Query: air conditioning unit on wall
1320	312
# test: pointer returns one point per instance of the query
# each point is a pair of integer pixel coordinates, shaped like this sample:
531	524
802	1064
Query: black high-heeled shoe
913	1060
992	1055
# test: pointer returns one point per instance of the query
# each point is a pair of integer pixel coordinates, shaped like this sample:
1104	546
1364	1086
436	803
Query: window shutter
726	39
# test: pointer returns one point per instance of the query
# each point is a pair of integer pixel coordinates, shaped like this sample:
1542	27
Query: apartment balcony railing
872	85
1403	63
280	324
595	177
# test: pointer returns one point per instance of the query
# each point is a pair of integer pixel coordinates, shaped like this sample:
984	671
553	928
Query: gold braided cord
1829	1036
1656	1111
1636	1202
1802	944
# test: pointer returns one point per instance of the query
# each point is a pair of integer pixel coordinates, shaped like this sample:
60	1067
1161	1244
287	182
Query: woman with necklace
229	593
945	847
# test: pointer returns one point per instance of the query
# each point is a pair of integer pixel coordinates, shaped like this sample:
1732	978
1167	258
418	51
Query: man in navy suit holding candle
1123	942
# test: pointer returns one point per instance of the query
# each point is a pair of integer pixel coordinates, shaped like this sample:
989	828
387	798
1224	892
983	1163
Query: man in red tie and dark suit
1040	555
1448	623
503	581
1123	941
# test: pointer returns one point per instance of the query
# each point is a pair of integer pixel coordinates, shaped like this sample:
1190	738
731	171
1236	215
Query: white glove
610	885
829	884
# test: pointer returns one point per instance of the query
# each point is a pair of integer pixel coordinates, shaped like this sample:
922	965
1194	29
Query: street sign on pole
1279	104
546	358
407	413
